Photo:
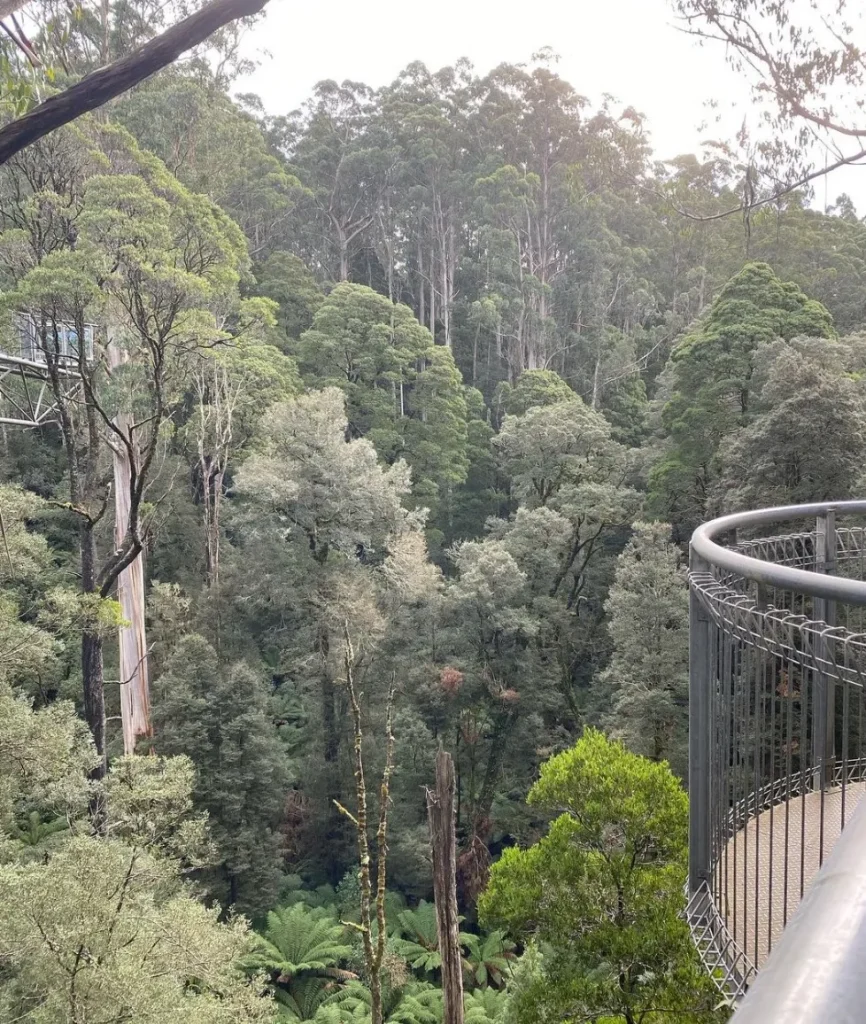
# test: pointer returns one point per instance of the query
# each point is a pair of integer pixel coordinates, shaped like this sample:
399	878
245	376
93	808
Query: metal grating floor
761	894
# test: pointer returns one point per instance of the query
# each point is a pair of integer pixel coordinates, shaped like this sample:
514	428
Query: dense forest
420	392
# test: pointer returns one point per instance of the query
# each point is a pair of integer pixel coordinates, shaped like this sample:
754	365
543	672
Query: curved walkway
753	865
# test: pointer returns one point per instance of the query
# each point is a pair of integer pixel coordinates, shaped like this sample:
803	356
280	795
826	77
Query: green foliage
215	149
45	758
150	805
485	1006
562	456
808	435
285	278
108	911
647	677
300	942
415	1003
611	869
368	347
339	501
217	716
713	394
403	393
534	388
151	948
488	958
418	941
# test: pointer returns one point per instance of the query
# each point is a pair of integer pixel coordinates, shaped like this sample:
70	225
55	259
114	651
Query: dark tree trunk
335	828
495	759
94	694
91	654
440	811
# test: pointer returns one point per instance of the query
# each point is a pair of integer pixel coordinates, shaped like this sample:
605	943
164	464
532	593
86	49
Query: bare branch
103	85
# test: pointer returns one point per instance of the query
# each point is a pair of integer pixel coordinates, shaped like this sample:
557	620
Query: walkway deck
756	853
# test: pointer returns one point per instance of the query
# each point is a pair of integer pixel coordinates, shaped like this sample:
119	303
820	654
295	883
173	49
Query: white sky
628	48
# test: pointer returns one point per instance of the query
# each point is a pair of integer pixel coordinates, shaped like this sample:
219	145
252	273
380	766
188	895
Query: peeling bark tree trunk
134	682
440	811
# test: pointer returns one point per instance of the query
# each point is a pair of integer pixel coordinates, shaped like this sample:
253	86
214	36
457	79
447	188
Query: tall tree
157	269
336	545
404	394
711	370
808	437
341	157
645	685
218	716
610	870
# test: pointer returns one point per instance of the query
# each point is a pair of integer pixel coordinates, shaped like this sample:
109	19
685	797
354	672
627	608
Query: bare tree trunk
422	311
134	682
343	243
432	300
596	383
212	477
91	655
440	811
372	899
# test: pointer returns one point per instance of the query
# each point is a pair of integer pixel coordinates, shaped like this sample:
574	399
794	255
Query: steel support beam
824	610
700	737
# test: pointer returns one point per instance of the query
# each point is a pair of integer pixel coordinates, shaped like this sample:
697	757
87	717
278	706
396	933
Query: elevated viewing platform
26	399
777	746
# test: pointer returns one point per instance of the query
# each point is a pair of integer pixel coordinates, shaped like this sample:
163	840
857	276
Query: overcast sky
631	49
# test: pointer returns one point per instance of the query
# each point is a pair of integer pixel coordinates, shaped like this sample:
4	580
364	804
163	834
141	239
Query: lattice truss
788	747
27	398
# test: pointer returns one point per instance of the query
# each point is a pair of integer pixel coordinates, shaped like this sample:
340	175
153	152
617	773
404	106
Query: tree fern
418	941
416	1003
487	957
485	1006
304	999
299	940
302	950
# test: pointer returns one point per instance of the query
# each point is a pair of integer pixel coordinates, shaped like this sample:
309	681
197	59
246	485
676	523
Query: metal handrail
816	973
777	726
771	574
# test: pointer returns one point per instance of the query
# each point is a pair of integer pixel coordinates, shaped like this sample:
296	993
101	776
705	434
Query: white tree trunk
134	679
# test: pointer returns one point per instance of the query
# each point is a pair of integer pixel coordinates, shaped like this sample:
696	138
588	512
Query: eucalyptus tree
216	148
335	146
157	268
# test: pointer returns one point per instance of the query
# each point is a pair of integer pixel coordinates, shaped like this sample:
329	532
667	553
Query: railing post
699	731
824	722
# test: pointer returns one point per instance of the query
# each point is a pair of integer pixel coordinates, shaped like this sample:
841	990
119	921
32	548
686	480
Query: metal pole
816	975
699	732
823	740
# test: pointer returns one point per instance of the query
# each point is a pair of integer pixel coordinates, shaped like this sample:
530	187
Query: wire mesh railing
777	745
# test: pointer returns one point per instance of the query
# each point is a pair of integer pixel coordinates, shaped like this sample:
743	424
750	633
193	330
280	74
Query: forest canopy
398	409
